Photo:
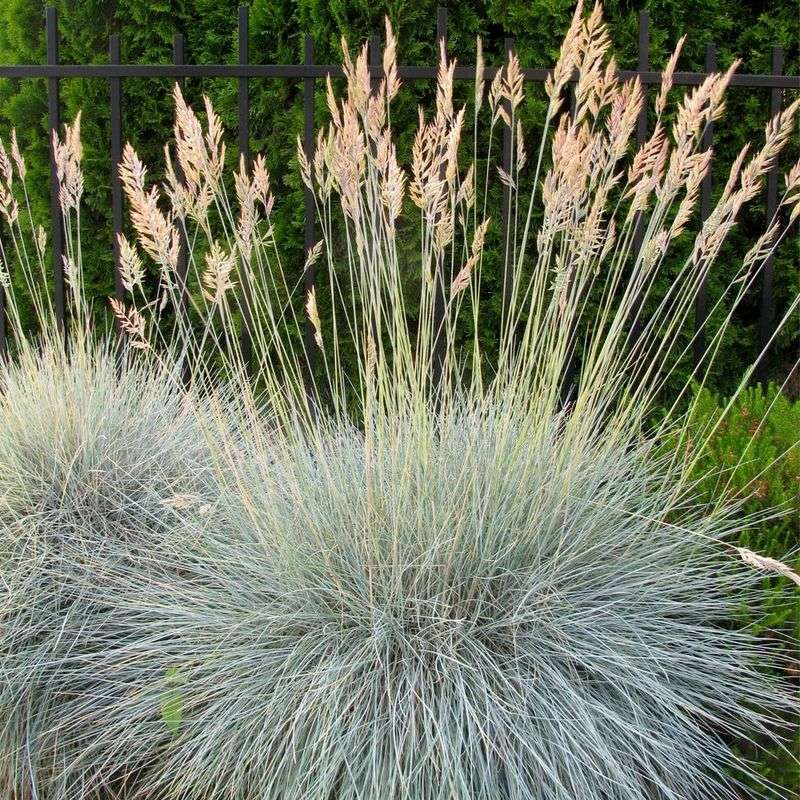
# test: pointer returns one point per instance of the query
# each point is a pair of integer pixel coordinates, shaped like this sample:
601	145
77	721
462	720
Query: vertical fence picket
115	91
508	265
182	268
705	210
309	234
568	375
374	61
246	337
572	98
641	137
243	86
3	343
439	333
765	323
54	122
643	66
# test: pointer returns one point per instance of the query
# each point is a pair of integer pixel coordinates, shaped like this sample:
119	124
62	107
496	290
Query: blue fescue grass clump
495	611
97	459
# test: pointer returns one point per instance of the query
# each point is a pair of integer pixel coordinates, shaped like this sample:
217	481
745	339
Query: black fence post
438	344
765	324
309	233
508	265
374	56
115	87
246	338
54	123
705	210
182	267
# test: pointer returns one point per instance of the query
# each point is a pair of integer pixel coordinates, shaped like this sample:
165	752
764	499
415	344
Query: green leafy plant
753	457
172	700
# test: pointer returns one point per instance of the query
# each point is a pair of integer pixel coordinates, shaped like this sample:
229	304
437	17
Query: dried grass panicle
444	86
393	183
467	189
464	277
568	60
70	272
768	564
521	153
17	155
763	246
155	230
700	165
132	323
261	184
512	86
9	207
792	180
480	70
625	107
390	62
40	241
216	278
791	198
248	214
305	165
313	316
201	154
495	94
130	264
667	77
67	155
6	172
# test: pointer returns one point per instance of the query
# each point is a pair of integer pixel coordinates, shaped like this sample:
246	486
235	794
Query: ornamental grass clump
96	457
426	570
101	455
500	608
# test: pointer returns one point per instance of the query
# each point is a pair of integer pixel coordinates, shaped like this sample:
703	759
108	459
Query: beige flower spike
769	564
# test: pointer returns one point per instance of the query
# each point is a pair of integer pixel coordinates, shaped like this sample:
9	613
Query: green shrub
754	457
756	450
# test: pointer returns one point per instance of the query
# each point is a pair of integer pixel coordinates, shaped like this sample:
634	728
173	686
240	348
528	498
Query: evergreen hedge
747	30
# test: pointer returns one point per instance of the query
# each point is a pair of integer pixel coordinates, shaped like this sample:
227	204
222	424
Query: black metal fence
309	72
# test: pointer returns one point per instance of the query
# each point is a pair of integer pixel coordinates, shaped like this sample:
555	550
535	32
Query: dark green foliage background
740	29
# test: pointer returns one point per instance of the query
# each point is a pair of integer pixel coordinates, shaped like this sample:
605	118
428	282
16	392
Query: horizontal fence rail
538	75
308	72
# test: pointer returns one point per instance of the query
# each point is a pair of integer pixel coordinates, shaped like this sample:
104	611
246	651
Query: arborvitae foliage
746	30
